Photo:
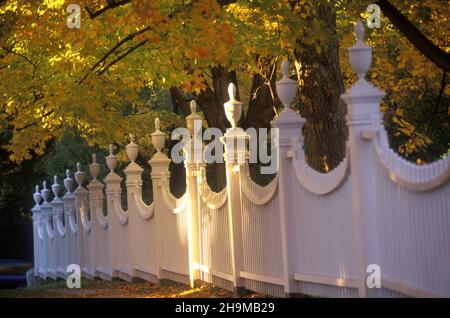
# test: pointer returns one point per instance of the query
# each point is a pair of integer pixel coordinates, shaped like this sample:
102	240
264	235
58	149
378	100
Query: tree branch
432	52
121	56
111	5
126	39
35	123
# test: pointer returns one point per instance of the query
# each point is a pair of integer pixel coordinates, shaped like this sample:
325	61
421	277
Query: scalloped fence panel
374	226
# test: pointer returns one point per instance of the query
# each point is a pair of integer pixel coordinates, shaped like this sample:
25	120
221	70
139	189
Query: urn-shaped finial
68	182
79	175
193	106
111	160
132	149
37	195
286	88
194	121
45	192
359	31
158	137
360	54
56	187
94	167
233	108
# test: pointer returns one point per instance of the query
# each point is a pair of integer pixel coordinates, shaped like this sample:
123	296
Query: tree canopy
111	77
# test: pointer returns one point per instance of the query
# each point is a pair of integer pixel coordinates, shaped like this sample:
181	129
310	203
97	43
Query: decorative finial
111	160
94	167
360	54
79	175
231	91
286	87
37	196
45	192
233	108
193	106
359	30
158	137
285	68
68	182
132	149
56	187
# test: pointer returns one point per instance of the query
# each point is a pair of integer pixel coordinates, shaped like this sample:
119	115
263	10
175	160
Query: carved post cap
111	160
286	88
158	137
79	175
285	68
132	149
359	30
233	108
37	195
111	149
360	54
94	167
68	182
56	187
193	106
45	192
194	121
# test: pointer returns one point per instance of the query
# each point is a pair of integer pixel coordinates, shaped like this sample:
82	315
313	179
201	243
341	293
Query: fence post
160	173
290	124
363	102
95	206
133	183
85	247
47	219
72	254
59	230
36	210
236	154
194	158
112	182
121	260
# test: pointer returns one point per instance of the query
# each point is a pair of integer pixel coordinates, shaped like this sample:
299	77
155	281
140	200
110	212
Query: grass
117	289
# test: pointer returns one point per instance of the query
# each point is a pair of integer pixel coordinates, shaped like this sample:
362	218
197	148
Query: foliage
417	117
93	79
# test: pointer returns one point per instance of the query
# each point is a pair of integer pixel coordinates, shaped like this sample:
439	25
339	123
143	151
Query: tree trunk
211	102
432	52
263	98
319	99
180	105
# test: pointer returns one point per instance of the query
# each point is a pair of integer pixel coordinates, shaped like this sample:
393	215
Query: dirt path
118	289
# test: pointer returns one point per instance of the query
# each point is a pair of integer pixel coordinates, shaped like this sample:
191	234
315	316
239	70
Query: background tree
92	79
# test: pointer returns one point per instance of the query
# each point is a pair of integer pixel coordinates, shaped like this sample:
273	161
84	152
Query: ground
118	289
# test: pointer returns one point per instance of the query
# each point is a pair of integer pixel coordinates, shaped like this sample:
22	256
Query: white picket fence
304	233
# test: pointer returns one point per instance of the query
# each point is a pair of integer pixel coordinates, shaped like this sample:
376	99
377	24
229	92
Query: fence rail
304	233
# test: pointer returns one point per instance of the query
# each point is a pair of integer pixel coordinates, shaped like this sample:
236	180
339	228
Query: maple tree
92	78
